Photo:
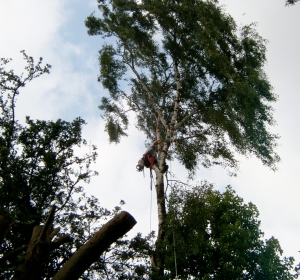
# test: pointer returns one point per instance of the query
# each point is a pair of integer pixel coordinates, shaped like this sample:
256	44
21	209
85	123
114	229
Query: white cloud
32	25
54	29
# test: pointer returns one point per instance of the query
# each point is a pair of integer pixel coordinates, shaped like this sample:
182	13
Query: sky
54	30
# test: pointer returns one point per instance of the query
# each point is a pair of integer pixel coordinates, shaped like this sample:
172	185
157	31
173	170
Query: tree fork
39	248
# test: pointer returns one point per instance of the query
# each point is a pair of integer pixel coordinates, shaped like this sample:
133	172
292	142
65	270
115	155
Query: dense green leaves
218	236
195	77
290	2
41	164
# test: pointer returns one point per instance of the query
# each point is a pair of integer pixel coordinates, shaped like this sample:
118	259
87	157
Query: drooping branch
92	250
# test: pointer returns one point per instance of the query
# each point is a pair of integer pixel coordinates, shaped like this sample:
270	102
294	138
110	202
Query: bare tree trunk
92	250
158	259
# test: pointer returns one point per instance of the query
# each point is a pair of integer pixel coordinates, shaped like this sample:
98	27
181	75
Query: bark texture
157	258
92	250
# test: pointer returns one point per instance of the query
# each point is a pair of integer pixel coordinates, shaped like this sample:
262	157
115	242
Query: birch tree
192	77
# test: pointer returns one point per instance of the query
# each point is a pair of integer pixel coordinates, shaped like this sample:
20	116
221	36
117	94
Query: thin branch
70	191
165	90
158	111
129	99
61	240
193	136
179	124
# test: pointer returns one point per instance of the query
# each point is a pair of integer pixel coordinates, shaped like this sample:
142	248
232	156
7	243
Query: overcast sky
54	30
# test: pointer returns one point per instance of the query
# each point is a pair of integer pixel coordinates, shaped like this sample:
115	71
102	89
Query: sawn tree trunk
93	249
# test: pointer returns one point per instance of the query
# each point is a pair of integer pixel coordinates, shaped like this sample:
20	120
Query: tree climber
150	157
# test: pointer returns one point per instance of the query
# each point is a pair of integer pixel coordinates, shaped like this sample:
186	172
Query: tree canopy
209	235
217	236
191	77
195	79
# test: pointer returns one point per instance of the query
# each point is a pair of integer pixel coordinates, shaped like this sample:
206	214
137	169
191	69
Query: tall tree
217	236
196	80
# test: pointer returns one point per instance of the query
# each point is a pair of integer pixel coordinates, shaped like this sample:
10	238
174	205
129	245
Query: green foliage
130	259
217	236
41	164
195	79
290	2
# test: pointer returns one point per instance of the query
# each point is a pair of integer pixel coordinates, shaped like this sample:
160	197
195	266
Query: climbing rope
150	210
151	182
176	276
175	258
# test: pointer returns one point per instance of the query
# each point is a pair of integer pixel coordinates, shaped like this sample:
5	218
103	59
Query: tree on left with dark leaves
38	169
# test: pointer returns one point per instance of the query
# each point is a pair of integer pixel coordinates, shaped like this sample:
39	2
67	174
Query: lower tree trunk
158	259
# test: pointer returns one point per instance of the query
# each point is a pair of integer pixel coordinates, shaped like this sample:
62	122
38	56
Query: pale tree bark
92	250
157	258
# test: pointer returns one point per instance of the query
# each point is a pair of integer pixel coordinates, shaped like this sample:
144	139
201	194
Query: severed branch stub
93	249
39	248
